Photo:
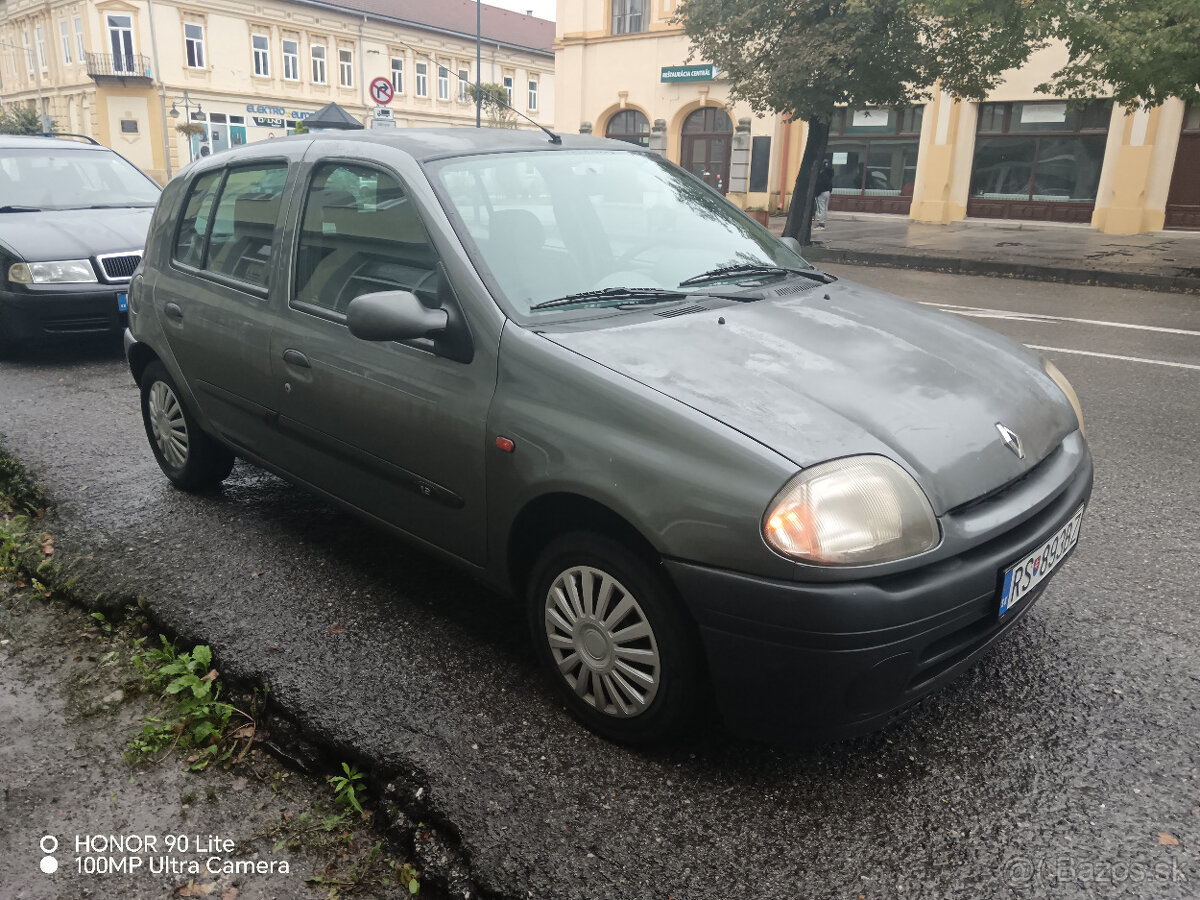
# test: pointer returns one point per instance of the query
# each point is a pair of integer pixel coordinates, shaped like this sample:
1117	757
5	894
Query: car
73	221
720	480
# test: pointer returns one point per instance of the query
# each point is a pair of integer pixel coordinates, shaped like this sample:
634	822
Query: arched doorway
631	126
707	146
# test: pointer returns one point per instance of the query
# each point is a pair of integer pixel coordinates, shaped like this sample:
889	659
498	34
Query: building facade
129	73
1020	154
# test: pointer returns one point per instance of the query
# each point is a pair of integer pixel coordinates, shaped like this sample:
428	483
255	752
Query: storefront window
1040	152
874	151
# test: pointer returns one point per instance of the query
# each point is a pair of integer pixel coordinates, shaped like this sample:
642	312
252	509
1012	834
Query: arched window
707	145
629	125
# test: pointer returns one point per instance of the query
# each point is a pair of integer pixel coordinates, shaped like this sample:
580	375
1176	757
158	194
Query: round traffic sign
382	91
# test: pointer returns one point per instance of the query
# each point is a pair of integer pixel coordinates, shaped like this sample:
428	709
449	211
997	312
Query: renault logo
1011	440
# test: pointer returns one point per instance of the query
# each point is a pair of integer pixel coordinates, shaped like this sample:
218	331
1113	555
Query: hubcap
602	642
167	424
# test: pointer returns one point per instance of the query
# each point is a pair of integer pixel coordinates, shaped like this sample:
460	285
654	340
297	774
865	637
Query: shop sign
706	72
276	111
268	122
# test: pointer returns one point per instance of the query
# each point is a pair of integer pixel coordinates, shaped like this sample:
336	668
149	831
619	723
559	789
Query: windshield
71	179
559	223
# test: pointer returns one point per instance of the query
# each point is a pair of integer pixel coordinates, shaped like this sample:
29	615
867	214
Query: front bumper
44	313
831	660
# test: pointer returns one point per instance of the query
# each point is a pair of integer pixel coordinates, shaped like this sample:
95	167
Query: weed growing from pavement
348	787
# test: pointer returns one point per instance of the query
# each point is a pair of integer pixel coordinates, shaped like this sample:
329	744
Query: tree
21	119
804	58
1139	51
495	105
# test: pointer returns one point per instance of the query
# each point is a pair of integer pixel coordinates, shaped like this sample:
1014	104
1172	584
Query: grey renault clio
718	478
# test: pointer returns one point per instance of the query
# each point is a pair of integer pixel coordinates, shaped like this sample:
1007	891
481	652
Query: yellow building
129	72
1021	155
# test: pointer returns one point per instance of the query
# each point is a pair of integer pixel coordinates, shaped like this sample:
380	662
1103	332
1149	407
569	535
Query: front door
120	39
708	146
393	428
1183	201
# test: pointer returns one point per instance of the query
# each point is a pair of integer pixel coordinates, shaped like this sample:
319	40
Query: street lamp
187	112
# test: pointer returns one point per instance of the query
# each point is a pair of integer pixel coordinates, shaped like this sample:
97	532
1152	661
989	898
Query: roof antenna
554	138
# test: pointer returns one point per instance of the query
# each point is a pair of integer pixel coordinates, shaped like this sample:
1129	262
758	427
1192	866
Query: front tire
611	636
189	457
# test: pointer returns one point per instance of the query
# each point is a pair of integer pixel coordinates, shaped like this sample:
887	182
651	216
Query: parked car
73	221
718	478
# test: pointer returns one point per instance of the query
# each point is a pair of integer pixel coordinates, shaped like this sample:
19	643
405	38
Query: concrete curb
1186	284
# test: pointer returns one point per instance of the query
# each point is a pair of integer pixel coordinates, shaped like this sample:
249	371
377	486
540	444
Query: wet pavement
1042	251
1065	764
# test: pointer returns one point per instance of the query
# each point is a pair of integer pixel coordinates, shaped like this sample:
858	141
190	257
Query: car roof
35	141
425	144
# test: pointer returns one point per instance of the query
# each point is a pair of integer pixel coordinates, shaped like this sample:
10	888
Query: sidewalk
1077	254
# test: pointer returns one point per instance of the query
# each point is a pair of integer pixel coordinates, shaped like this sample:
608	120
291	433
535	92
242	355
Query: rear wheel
187	455
610	634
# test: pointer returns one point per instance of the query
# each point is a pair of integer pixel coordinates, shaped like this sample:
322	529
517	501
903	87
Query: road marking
1153	362
982	312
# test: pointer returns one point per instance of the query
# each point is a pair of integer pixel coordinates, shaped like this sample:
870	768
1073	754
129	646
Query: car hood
74	233
841	369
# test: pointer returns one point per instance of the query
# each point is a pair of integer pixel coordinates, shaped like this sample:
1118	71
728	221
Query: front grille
77	324
119	266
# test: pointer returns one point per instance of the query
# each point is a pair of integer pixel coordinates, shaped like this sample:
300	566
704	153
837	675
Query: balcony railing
105	65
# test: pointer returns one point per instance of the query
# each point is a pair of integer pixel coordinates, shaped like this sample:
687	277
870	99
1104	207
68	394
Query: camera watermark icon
49	845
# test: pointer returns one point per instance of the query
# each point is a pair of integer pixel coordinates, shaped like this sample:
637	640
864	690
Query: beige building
624	73
129	72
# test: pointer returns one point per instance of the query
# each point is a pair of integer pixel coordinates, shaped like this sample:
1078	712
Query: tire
189	457
610	634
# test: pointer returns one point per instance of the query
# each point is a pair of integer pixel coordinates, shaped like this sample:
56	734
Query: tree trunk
800	212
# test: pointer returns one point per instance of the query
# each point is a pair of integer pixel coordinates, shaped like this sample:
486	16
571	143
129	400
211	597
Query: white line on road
1153	362
983	312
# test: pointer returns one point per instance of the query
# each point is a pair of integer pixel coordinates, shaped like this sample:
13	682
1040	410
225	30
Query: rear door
395	429
213	303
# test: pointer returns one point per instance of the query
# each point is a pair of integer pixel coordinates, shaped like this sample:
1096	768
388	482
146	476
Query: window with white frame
533	94
629	16
346	67
291	60
79	37
422	79
317	54
28	50
41	45
262	54
443	83
64	34
193	44
508	88
464	82
398	74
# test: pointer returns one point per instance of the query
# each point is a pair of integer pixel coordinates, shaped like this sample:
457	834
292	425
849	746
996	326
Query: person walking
822	190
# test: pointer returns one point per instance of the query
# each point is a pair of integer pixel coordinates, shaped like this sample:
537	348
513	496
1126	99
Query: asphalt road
1063	765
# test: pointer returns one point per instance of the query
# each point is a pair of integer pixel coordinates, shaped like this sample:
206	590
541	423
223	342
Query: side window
360	234
239	243
192	239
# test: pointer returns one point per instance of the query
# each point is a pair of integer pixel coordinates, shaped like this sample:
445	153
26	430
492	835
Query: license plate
122	302
1025	574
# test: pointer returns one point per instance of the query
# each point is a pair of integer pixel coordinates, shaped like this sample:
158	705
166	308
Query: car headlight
1065	386
858	511
66	271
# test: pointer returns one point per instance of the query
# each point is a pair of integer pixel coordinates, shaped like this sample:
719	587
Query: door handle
296	358
173	311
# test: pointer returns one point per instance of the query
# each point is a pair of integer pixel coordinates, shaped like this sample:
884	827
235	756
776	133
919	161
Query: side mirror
792	244
393	316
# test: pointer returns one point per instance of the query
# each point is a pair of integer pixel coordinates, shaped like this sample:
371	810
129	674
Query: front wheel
188	457
610	634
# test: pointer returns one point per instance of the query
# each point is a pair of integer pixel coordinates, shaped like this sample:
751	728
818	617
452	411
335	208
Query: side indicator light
505	444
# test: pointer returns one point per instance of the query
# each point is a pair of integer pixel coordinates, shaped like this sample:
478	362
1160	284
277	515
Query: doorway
120	39
1183	199
708	146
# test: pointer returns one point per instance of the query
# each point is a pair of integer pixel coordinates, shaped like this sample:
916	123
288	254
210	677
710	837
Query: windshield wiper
723	273
627	295
11	208
116	206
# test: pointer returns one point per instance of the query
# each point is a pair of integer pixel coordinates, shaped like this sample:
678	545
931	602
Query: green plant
348	788
19	119
198	720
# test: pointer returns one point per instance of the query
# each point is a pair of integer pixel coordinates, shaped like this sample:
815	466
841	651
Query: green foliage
348	787
300	128
19	119
1137	51
198	719
495	105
